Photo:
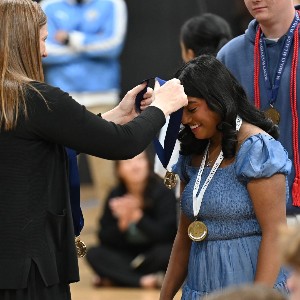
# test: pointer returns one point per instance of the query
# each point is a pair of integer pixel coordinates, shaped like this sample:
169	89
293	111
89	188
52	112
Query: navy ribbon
164	153
273	88
74	185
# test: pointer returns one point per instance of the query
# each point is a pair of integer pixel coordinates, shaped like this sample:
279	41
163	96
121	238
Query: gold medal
80	247
170	180
273	114
197	231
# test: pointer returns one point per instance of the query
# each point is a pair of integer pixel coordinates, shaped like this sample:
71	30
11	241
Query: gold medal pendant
80	247
170	180
197	231
273	114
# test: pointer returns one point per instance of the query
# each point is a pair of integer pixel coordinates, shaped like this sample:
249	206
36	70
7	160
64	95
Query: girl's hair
152	180
207	78
205	34
20	56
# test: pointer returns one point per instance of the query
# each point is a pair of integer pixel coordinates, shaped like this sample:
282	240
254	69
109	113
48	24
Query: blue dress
228	255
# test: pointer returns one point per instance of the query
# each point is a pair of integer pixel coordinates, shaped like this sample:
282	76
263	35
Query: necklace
197	230
209	162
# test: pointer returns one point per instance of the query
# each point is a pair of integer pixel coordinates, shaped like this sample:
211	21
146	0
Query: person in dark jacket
137	228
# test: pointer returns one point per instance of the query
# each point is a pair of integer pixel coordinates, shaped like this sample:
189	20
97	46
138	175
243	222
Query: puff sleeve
261	156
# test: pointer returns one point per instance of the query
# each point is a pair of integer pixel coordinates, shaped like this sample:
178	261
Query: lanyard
293	101
164	153
198	197
273	88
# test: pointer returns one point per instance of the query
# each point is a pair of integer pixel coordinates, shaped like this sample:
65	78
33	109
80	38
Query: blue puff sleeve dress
228	255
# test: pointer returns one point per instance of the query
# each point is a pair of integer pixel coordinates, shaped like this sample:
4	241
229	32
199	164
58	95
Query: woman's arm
268	196
63	121
161	98
178	263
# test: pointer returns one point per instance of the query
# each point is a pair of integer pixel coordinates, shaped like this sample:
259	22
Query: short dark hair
205	34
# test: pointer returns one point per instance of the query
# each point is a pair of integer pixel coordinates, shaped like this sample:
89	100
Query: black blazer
35	216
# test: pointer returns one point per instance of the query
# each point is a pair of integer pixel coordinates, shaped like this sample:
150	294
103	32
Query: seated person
137	228
290	251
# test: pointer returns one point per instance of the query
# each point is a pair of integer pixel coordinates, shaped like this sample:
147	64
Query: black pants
116	265
36	289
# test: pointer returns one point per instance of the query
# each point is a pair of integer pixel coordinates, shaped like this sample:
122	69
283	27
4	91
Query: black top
158	224
35	215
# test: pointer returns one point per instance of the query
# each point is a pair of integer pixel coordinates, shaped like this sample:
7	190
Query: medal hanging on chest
197	230
259	58
273	114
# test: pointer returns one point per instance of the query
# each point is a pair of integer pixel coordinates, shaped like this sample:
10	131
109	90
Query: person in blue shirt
85	41
265	61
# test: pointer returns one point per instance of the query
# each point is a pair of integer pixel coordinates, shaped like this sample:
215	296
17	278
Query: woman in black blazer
37	252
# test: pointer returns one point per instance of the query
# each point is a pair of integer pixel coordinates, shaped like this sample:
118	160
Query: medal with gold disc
197	230
273	114
170	180
164	152
80	247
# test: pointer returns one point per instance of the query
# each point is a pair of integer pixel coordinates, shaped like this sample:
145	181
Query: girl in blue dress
233	188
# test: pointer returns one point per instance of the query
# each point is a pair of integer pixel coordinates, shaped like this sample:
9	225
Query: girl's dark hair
205	34
152	180
207	78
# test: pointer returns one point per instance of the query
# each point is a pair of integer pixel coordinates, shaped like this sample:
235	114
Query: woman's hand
127	105
170	97
127	209
125	111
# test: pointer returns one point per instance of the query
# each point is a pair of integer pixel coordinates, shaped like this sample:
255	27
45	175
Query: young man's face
267	10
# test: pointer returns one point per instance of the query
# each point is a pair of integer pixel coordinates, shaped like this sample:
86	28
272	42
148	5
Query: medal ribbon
281	62
197	199
259	56
164	153
74	184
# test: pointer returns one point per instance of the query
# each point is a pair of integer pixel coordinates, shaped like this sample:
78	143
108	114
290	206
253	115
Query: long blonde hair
20	56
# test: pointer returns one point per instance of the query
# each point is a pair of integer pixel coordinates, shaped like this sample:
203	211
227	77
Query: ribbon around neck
164	153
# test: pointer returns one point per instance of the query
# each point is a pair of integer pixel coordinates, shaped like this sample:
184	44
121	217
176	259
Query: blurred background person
137	228
290	249
204	34
84	44
85	40
265	62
